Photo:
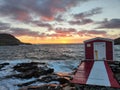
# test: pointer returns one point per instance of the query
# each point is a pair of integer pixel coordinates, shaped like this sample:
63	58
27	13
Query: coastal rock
29	70
115	67
3	88
117	41
43	87
3	64
50	78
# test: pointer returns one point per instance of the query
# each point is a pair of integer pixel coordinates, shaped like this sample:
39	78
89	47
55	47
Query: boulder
3	64
29	70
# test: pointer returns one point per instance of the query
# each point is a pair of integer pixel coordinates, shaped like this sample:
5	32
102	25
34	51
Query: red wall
109	51
89	51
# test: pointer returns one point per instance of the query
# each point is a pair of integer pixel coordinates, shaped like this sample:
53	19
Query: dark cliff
7	39
117	41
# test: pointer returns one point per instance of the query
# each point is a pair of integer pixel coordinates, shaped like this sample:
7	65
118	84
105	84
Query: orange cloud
44	18
22	16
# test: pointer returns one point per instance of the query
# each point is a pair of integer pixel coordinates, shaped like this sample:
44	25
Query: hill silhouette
117	41
8	39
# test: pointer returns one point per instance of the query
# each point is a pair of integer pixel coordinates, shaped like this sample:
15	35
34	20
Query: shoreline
42	82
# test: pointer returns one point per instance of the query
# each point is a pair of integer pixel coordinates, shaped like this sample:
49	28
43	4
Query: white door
99	51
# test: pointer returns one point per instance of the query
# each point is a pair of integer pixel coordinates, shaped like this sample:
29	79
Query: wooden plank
83	72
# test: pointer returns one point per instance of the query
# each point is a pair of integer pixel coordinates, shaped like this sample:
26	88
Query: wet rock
3	64
63	80
29	70
4	88
51	78
23	67
27	83
47	78
43	87
34	73
69	88
117	76
115	67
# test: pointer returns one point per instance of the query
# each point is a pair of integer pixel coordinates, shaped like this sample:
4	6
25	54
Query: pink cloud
46	9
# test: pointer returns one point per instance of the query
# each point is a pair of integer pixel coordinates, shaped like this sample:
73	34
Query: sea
42	52
61	57
47	52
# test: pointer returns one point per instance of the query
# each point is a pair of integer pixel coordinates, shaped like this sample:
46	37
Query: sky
60	21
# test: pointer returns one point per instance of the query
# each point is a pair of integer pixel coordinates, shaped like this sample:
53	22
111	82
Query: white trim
113	51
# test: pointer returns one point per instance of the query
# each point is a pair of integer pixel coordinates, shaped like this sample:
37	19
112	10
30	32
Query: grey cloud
22	32
113	23
22	9
89	13
91	32
81	22
4	26
42	24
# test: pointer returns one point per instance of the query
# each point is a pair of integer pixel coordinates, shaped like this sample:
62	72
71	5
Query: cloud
59	18
97	32
25	10
71	32
22	32
14	10
62	32
4	26
82	18
89	13
65	30
91	32
81	22
42	24
113	23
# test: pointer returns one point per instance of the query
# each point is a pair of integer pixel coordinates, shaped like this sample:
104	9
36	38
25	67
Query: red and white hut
94	70
99	49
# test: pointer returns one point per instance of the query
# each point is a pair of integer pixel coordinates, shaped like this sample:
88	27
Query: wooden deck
95	73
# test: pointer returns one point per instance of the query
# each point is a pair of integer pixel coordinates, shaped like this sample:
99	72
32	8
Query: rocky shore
46	79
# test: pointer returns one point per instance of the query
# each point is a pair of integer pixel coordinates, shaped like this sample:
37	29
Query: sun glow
38	40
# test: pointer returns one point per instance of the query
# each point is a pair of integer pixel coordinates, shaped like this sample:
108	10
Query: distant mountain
7	39
117	41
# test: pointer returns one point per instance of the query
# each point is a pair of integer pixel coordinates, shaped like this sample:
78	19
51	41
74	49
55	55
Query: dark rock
32	73
117	41
27	83
47	79
44	87
29	70
24	67
118	76
63	80
115	67
50	78
3	64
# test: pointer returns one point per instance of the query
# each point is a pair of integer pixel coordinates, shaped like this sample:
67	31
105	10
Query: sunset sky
60	21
